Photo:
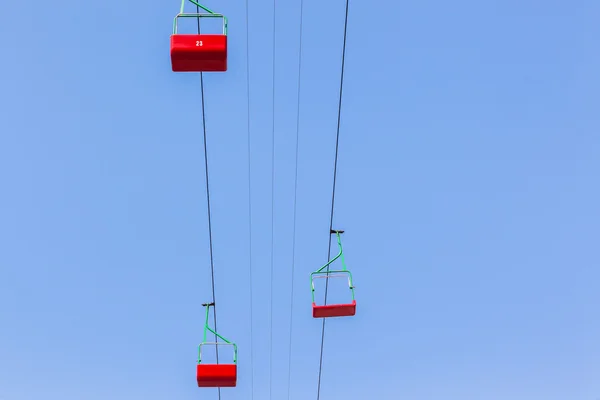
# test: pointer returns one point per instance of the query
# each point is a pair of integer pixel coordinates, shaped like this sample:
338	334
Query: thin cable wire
337	141
249	203
295	198
272	214
212	265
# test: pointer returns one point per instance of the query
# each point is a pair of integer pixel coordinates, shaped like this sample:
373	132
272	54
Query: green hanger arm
207	329
196	4
211	14
344	270
340	254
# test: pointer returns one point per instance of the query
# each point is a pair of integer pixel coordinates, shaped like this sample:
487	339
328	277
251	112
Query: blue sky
467	186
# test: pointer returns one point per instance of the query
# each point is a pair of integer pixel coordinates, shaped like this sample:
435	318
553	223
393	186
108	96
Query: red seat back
198	53
216	375
334	310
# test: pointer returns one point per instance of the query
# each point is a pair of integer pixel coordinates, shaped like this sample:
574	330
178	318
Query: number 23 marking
198	43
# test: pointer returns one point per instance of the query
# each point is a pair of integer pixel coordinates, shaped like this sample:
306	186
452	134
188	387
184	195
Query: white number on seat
198	43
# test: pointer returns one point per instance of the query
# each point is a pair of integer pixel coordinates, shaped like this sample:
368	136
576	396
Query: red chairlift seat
216	375
199	52
334	310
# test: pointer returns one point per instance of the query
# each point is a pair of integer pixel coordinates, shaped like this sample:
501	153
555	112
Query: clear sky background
467	185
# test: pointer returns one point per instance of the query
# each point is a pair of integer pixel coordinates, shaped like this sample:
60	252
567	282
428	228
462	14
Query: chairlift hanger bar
196	4
211	14
208	328
340	254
